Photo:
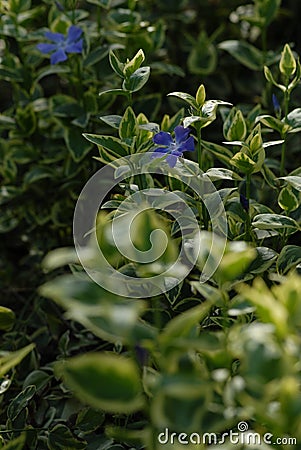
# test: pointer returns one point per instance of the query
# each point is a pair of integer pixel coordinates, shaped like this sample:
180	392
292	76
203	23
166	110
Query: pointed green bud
201	95
287	64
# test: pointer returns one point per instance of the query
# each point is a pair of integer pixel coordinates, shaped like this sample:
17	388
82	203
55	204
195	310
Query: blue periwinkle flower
173	147
62	44
276	104
244	202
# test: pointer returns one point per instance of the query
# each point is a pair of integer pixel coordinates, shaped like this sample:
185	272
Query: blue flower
276	104
62	44
173	147
244	202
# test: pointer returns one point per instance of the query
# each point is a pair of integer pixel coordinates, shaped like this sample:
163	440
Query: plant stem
199	144
283	136
248	194
264	43
282	163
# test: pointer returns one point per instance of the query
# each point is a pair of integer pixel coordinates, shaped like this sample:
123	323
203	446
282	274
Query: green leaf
26	119
104	3
116	65
287	199
37	378
243	162
7	318
76	144
38	173
234	264
274	222
88	420
202	59
222	174
245	53
115	92
134	64
128	127
104	380
294	118
270	78
15	444
182	325
137	80
112	120
293	180
220	152
61	438
59	257
51	70
12	359
267	10
20	402
268	308
179	403
274	123
110	147
10	75
289	257
235	128
95	56
186	97
264	259
287	64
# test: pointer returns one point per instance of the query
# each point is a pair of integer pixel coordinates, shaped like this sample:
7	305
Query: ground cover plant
153	147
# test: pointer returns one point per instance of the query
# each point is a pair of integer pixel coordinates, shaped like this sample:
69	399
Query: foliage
196	351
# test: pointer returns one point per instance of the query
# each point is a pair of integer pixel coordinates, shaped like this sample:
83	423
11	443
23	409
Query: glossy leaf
7	318
293	180
15	444
274	222
12	359
61	438
235	128
137	80
289	257
20	402
287	200
182	325
104	380
134	64
245	53
76	144
186	97
128	125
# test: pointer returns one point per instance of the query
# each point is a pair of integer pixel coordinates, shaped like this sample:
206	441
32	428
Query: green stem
282	163
199	144
248	195
264	42
203	213
283	136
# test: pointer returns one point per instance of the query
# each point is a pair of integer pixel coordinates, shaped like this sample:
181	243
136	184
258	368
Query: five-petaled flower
173	147
62	44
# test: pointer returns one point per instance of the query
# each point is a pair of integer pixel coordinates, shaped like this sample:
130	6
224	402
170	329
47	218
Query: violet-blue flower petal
55	37
163	138
46	48
171	160
74	33
181	134
76	47
189	144
58	56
